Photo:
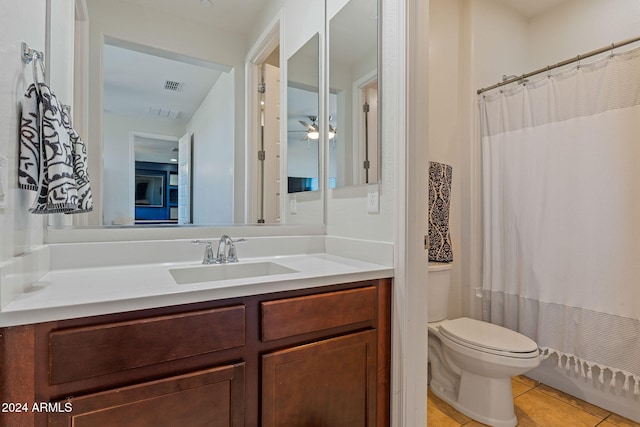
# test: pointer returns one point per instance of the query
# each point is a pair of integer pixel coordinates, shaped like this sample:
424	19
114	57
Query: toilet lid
489	337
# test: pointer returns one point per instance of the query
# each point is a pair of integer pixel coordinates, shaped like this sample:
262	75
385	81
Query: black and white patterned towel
440	177
53	158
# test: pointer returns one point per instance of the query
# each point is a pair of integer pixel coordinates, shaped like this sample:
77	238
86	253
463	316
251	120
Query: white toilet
472	362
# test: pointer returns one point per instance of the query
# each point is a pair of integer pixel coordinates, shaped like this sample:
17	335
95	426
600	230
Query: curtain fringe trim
584	368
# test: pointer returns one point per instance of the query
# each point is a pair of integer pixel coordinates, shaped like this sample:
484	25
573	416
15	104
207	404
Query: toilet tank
438	284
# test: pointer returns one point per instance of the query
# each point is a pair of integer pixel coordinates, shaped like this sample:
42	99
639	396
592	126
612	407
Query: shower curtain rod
611	47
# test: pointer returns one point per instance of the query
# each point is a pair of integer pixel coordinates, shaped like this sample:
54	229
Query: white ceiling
530	8
226	14
241	14
134	84
353	32
134	78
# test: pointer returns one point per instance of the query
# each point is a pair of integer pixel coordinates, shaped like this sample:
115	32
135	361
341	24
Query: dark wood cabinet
309	357
89	351
288	317
212	398
327	383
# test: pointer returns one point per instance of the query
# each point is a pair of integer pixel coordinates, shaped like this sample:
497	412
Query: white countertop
79	292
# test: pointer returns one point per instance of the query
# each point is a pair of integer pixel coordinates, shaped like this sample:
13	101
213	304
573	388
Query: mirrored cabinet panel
303	125
353	95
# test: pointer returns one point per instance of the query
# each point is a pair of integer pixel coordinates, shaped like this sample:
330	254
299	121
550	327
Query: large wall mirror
354	146
167	85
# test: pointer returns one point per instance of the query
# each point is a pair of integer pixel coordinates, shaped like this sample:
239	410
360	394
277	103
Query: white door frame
404	91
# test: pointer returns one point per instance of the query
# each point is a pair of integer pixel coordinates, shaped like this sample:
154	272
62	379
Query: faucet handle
233	254
201	242
208	257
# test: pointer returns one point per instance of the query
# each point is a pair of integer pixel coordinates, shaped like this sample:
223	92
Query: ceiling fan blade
306	125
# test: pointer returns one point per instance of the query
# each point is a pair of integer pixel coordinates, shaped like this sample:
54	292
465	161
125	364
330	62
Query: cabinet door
327	383
213	397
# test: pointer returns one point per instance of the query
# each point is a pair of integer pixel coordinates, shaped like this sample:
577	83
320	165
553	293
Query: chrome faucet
226	250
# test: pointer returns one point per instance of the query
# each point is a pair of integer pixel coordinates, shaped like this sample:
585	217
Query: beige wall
579	26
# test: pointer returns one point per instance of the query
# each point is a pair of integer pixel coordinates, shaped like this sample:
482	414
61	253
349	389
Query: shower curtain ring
523	80
578	67
613	45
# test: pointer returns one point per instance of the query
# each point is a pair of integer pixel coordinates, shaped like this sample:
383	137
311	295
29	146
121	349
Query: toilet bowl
472	362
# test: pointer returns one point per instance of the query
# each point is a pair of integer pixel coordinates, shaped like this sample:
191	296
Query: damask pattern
53	158
440	178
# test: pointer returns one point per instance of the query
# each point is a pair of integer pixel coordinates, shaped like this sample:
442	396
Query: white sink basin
215	272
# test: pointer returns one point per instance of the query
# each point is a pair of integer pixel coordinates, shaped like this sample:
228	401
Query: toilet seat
488	338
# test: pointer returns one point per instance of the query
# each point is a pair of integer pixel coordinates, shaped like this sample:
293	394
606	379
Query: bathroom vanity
293	354
289	358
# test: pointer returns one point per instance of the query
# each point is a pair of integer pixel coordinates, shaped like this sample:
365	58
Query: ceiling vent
172	86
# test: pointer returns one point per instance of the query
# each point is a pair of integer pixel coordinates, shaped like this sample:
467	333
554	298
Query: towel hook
29	54
34	57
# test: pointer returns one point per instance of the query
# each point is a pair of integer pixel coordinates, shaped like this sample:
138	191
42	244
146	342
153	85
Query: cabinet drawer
294	316
213	397
85	352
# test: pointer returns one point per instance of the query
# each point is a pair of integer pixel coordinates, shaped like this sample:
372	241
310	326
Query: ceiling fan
312	129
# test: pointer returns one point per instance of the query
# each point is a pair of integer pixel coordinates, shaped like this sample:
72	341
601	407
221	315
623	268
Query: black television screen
299	184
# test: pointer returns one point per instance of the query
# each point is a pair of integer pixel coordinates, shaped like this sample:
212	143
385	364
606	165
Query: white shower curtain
561	209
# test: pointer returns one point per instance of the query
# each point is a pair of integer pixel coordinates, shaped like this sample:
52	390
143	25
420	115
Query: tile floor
536	405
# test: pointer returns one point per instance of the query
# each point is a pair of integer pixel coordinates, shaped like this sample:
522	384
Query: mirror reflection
353	100
177	98
303	148
172	115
